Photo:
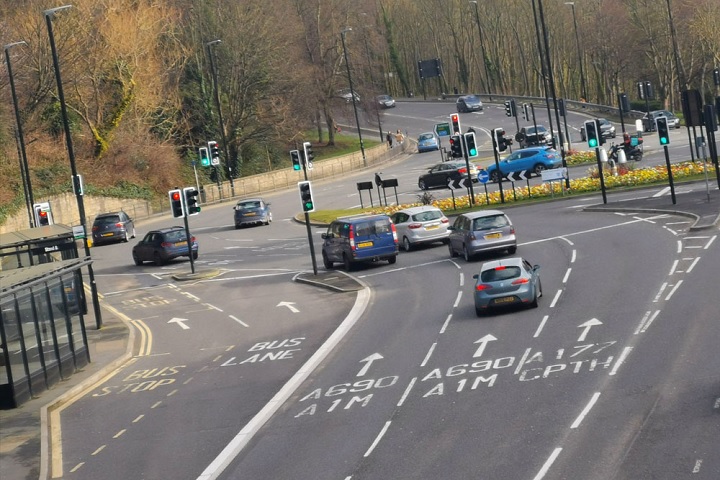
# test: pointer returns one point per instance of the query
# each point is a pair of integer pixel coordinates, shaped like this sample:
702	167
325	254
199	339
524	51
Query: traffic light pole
496	146
600	172
467	165
189	240
670	175
310	241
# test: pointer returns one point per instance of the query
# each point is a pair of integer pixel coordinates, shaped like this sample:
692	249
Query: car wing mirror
324	235
476	276
536	268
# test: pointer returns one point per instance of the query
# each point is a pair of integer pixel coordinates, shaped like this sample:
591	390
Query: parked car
672	120
532	137
252	211
481	231
346	95
607	129
444	173
357	239
468	103
506	282
427	142
532	160
163	245
385	101
420	225
112	227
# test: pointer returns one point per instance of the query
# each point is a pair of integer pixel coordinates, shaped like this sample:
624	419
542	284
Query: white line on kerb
586	410
548	464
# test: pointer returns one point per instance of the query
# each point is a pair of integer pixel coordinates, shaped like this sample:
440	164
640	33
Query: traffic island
336	280
198	275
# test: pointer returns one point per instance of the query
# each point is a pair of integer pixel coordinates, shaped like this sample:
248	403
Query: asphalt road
613	376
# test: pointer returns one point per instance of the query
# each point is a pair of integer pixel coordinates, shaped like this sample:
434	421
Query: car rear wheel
195	255
538	169
534	303
126	237
512	250
466	254
347	263
479	312
407	246
392	259
137	260
453	253
326	261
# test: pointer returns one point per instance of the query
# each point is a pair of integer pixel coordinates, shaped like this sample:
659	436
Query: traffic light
470	144
214	152
661	126
176	203
296	160
43	214
455	146
526	113
624	102
716	77
499	138
510	109
191	201
306	197
78	186
309	155
561	107
592	133
455	118
204	157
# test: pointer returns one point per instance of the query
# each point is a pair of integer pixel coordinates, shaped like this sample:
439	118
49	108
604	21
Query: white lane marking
429	354
557	296
239	321
692	265
522	361
457	300
447	321
674	266
646	321
574	256
679	249
406	392
662	192
462	279
540	327
585	410
567	274
660	292
548	463
710	242
626	351
696	468
378	438
677	285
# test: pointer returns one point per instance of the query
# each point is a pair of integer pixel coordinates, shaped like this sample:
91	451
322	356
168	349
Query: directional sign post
521	175
484	177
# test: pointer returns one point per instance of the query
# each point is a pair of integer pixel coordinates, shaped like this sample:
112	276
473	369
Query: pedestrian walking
389	139
399	137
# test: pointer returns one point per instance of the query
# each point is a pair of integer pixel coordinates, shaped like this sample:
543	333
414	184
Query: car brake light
166	244
462	170
501	267
445	220
392	227
351	236
192	239
520	281
482	286
95	227
415	225
119	225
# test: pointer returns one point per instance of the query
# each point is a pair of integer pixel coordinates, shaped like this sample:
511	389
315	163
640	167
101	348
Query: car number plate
493	235
180	244
107	234
249	214
504	300
365	244
432	227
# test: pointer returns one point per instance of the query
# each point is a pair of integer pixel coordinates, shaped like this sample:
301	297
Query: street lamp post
49	14
352	93
220	118
583	88
24	169
482	46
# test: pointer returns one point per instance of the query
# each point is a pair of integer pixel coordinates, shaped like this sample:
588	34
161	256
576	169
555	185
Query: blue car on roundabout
532	160
427	142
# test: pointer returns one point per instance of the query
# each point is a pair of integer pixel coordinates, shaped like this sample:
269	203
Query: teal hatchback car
532	160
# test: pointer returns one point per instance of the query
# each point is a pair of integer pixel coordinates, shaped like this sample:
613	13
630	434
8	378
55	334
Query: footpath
24	442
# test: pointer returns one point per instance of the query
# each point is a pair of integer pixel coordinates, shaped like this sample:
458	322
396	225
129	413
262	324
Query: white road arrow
288	305
180	321
483	343
369	360
587	326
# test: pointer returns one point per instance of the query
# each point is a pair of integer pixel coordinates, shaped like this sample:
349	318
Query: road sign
483	176
553	174
442	129
521	175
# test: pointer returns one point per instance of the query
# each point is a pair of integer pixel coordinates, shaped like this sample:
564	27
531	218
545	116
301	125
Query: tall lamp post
482	46
220	118
24	170
583	88
352	93
49	14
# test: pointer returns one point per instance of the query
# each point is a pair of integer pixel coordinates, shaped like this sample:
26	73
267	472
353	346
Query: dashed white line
677	285
557	296
567	274
239	321
660	292
548	463
429	354
673	267
457	300
586	410
626	351
692	265
406	392
679	246
447	322
646	321
377	439
540	327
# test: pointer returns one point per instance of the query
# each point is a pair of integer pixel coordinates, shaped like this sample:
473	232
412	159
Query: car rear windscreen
497	275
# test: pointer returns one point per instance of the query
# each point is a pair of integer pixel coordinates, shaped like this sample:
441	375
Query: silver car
506	282
418	225
483	231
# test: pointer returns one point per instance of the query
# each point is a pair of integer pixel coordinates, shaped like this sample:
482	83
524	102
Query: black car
112	227
160	246
649	125
607	129
468	103
529	137
443	174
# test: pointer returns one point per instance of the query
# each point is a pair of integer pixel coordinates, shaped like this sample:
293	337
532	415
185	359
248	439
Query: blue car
252	211
531	160
427	142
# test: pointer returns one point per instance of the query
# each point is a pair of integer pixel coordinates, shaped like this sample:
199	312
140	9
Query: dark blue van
362	238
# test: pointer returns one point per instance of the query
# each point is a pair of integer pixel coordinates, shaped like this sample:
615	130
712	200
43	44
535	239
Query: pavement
24	445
